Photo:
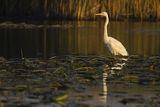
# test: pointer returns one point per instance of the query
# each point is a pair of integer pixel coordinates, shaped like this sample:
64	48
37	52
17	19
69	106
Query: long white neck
105	29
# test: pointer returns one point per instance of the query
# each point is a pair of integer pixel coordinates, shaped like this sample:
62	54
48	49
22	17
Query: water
83	38
78	71
79	81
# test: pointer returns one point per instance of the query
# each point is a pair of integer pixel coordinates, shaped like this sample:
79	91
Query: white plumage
114	46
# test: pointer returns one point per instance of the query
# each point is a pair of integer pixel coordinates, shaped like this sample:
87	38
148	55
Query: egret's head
102	14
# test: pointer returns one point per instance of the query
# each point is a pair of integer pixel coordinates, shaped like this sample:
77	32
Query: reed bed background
80	9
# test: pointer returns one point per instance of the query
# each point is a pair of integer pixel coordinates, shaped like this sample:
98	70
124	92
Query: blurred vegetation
80	9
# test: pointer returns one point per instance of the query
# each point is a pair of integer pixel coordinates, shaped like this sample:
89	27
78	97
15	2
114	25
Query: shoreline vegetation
136	10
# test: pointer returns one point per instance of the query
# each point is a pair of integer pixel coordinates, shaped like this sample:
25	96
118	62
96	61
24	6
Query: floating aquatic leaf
20	87
61	97
40	91
131	78
55	85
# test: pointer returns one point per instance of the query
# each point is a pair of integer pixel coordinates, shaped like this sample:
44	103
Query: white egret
114	46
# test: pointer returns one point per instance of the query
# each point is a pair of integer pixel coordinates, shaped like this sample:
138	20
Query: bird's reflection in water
108	71
118	65
105	75
105	88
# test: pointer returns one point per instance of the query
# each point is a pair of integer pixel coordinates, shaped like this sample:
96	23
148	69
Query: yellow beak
99	14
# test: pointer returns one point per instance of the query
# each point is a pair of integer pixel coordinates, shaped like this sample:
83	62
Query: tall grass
80	9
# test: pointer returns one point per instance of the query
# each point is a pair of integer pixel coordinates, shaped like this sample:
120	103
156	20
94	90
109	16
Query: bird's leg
115	60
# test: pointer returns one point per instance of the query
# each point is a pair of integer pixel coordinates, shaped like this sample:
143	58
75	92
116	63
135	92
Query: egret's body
114	46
